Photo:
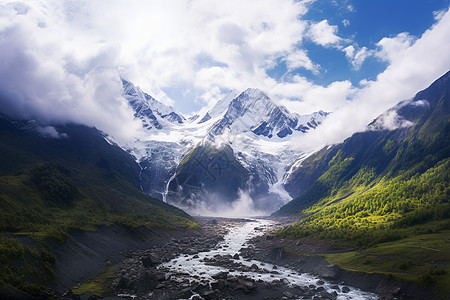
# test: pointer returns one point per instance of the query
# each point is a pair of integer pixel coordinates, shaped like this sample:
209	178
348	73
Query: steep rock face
411	137
207	172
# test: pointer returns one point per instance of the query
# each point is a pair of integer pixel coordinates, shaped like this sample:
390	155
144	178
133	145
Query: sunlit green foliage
99	285
384	212
422	258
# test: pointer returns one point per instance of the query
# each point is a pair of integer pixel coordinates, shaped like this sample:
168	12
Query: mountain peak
254	93
152	113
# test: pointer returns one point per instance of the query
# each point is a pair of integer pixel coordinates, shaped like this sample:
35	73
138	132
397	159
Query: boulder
150	261
220	275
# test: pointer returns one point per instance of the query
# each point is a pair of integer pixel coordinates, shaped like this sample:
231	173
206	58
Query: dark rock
147	282
245	284
150	261
213	221
218	285
345	289
209	295
288	294
184	293
320	282
236	256
220	275
326	295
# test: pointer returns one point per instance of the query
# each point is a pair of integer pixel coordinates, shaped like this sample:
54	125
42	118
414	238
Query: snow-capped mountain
253	111
151	112
239	147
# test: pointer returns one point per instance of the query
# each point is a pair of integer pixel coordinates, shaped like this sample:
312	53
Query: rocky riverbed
218	262
240	259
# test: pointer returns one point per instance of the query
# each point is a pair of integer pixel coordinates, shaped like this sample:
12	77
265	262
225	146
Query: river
197	270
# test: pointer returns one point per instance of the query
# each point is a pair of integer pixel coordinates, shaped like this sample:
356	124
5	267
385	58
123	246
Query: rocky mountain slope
56	181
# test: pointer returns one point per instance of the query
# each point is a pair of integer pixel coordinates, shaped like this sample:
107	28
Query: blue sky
368	23
359	24
352	58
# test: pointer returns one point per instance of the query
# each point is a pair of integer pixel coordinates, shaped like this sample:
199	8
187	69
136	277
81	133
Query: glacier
251	127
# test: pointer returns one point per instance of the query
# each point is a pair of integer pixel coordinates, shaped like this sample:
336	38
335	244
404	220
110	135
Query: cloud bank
414	65
60	60
46	75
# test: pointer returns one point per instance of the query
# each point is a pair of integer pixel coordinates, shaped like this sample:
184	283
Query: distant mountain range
239	146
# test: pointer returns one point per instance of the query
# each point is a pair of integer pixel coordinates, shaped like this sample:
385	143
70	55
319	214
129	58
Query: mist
214	206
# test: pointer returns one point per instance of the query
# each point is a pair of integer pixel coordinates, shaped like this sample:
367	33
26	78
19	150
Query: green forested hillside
50	187
384	186
379	159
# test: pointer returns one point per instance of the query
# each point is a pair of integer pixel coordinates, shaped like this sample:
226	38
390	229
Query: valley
230	150
193	267
84	216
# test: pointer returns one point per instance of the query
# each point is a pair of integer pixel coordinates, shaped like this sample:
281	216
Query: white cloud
59	59
299	59
312	97
438	14
349	52
50	131
324	34
412	69
346	22
391	48
357	57
160	46
47	76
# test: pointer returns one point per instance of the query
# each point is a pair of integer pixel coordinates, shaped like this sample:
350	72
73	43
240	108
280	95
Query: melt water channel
237	238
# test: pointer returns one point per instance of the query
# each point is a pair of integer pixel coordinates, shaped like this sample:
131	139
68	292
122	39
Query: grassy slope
50	187
386	186
423	258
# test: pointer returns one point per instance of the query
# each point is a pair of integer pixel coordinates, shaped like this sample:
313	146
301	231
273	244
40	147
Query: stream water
237	237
